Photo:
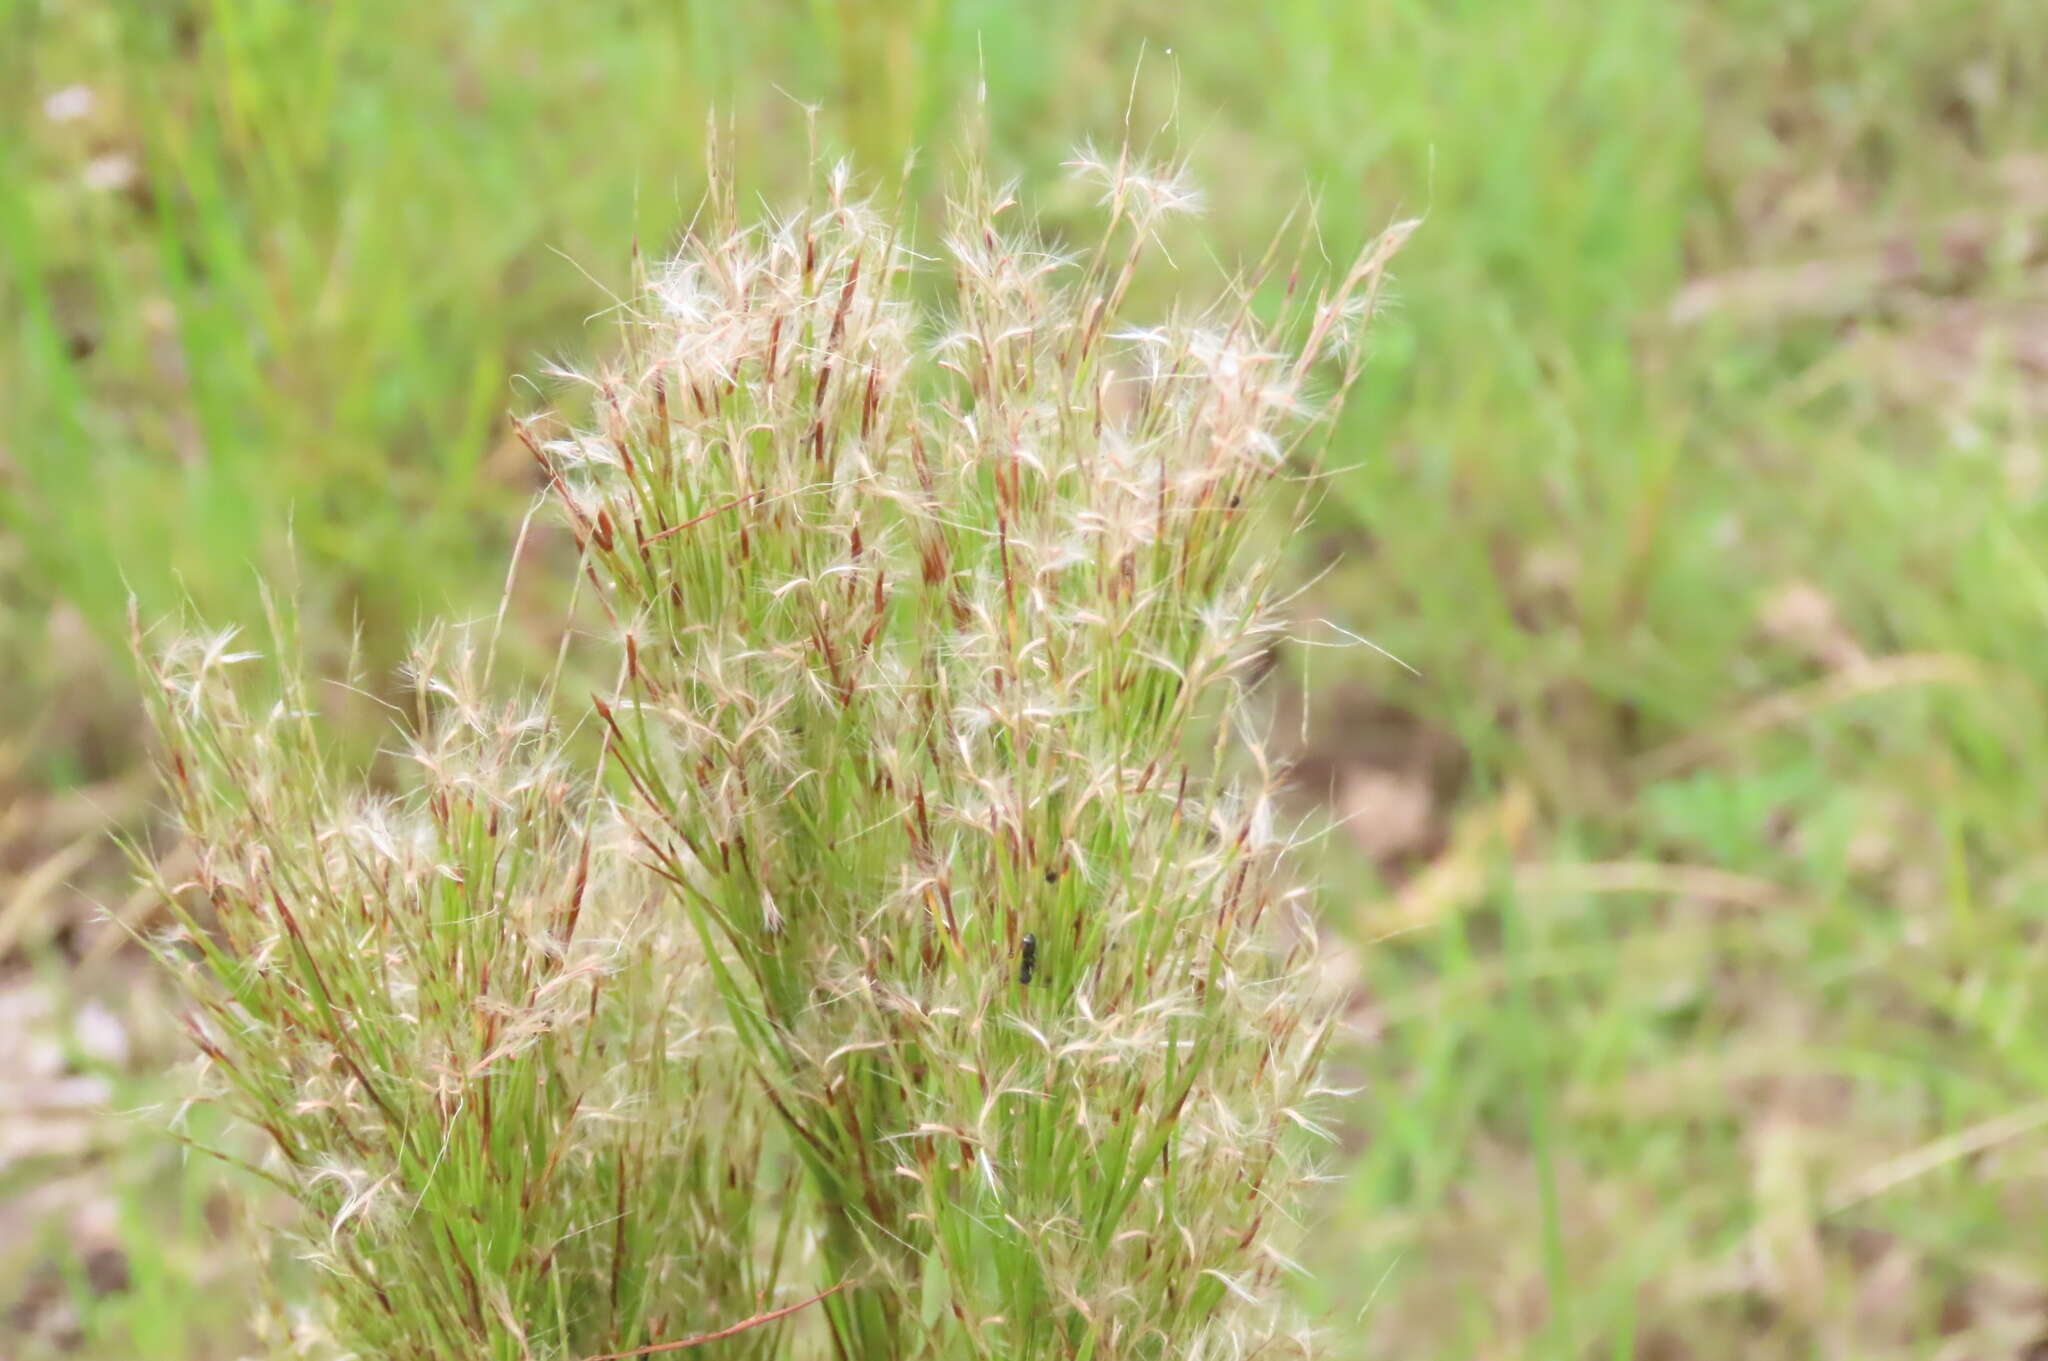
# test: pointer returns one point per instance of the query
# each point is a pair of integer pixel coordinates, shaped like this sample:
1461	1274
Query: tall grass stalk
925	927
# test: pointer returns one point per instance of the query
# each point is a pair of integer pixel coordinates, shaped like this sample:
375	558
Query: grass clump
919	928
477	1043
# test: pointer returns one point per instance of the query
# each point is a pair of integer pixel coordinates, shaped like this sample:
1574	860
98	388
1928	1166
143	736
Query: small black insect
1030	964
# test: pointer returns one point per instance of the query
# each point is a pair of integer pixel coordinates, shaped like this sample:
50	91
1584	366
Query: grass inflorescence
921	928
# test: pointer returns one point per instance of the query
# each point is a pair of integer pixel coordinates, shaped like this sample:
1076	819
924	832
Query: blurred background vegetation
1692	896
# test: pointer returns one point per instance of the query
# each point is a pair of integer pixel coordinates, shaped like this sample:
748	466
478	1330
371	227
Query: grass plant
482	1055
918	932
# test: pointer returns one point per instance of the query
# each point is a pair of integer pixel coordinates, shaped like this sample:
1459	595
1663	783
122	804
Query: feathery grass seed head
923	923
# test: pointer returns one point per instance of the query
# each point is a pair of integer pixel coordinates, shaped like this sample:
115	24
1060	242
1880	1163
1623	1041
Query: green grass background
1699	473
